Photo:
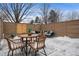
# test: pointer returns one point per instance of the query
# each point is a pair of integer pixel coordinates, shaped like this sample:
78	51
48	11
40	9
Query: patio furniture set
46	33
26	43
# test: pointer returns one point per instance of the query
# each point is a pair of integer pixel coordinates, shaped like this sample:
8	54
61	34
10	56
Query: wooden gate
21	28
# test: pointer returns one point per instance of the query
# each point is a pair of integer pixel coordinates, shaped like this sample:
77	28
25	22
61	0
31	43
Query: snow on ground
56	46
63	46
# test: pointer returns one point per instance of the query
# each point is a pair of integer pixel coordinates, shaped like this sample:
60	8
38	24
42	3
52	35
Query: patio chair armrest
12	41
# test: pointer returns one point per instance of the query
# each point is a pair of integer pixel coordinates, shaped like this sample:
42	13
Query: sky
61	6
65	6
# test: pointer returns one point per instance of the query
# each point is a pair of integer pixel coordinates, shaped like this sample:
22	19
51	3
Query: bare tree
44	12
55	15
32	21
59	15
16	12
72	15
3	17
37	19
52	16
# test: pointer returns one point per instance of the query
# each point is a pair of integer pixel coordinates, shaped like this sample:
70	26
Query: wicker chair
14	45
38	44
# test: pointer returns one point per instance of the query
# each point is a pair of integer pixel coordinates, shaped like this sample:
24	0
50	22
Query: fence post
66	28
1	28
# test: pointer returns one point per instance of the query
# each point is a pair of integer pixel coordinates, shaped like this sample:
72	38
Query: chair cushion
34	45
16	46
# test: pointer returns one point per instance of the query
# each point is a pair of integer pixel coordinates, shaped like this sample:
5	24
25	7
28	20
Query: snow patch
56	46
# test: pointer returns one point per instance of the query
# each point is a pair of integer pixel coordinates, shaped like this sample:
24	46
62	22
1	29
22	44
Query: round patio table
26	38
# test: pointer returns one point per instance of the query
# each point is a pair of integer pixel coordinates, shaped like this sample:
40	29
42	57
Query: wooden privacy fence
72	29
69	28
21	28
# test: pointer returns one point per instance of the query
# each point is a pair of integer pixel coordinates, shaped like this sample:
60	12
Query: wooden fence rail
69	28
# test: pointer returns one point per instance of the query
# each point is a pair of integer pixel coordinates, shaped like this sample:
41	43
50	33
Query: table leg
26	47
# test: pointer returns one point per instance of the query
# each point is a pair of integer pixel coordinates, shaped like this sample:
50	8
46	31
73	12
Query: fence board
69	28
